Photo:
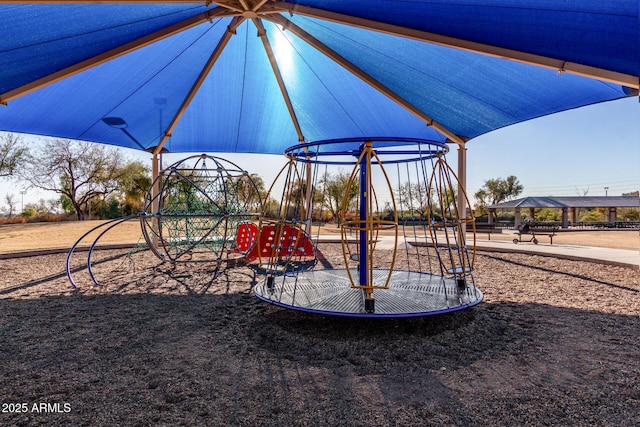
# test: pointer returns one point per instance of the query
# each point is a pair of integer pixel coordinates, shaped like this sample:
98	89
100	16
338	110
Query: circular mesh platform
410	294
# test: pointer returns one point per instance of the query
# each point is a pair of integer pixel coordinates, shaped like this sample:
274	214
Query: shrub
13	220
28	212
49	217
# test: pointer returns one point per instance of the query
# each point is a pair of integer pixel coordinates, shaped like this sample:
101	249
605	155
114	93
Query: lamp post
606	190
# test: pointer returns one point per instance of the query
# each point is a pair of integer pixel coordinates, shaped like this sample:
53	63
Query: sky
571	153
564	154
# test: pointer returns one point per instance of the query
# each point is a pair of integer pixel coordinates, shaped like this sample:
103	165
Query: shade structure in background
259	76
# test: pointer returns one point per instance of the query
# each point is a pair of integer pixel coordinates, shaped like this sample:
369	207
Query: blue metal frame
311	152
363	259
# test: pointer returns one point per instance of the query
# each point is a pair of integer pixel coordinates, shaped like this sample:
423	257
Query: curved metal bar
73	248
302	151
117	221
147	237
364	139
350	162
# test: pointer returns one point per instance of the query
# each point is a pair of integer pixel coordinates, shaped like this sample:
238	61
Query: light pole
606	189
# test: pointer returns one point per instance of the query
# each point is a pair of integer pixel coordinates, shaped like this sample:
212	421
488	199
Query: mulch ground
554	342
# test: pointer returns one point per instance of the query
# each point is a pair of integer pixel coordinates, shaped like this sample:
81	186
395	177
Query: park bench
488	229
548	230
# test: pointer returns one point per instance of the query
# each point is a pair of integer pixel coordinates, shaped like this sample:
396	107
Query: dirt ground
554	342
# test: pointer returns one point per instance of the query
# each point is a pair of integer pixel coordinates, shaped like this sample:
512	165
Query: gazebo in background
568	205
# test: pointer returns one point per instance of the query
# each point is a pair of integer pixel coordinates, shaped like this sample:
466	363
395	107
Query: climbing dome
201	212
205	212
403	238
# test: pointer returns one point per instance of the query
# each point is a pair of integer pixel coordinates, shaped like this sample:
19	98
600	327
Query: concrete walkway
620	257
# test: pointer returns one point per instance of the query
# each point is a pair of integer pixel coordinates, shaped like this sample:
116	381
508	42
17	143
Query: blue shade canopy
260	76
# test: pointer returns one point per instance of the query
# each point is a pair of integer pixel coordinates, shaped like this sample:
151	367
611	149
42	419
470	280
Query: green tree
29	211
133	183
495	191
593	215
271	208
82	171
13	154
630	214
298	200
65	204
548	214
249	190
110	208
334	187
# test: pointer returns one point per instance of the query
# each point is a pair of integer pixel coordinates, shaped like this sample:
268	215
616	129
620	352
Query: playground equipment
201	212
194	213
421	214
284	243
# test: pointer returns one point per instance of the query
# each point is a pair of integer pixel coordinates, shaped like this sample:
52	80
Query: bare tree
412	200
13	154
10	200
43	206
583	192
82	171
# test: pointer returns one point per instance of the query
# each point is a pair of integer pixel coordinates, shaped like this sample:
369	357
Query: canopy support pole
155	190
462	179
262	33
308	196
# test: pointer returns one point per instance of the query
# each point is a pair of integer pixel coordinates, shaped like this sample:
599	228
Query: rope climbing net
201	212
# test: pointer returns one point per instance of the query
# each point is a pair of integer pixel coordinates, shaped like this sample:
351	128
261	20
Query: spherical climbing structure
199	209
406	200
202	212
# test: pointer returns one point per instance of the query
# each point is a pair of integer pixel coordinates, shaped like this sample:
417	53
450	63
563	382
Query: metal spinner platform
437	279
410	294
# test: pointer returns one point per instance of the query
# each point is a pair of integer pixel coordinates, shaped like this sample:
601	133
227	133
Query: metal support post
462	179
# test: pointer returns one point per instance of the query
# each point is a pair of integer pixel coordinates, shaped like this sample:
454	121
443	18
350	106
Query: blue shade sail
38	40
472	93
596	33
122	74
